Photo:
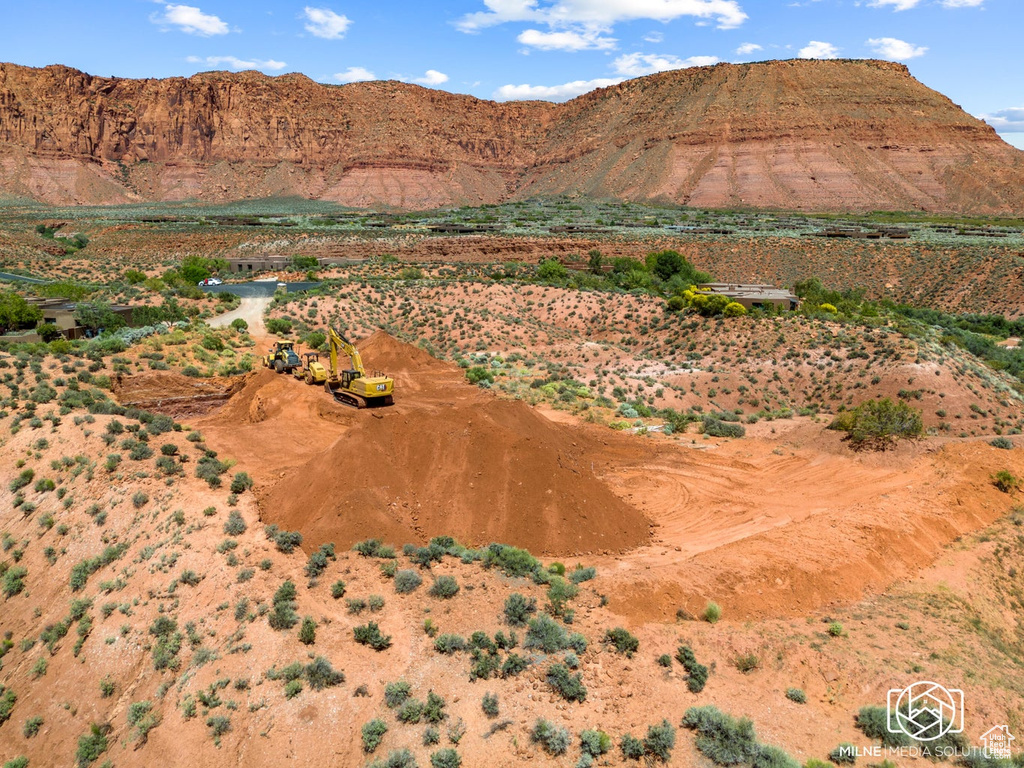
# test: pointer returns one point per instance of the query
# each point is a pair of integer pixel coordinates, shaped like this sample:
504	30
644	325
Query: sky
529	49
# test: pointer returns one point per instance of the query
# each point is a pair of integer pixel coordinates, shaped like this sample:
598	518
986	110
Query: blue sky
551	49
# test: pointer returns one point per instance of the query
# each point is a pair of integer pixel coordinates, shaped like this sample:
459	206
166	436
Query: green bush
445	758
321	674
489	704
480	375
632	747
518	609
546	634
797	695
406	581
569	686
595	743
874	723
552	270
844	754
241	482
374	548
696	673
445	587
410	712
878	424
13	581
370	634
218	725
1005	481
721	738
31	727
449	644
318	561
92	744
511	560
712	613
580	574
283	615
660	741
554	739
338	590
401	758
7	700
715	427
622	641
433	710
307	632
395	694
373	733
235	526
17	762
1001	442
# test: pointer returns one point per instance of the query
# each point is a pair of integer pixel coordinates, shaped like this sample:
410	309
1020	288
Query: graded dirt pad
446	459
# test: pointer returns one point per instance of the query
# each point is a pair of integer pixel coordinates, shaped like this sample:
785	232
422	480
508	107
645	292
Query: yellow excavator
353	386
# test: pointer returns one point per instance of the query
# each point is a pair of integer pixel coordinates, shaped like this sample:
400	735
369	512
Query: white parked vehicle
211	281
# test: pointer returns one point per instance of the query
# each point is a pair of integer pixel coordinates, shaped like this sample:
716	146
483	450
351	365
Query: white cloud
561	92
818	50
600	14
191	20
585	40
638	64
654	37
898	5
748	48
432	77
325	23
233	62
897	50
961	3
1009	120
355	75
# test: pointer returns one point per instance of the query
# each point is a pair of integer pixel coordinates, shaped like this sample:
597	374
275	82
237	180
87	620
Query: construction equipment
312	371
282	357
353	386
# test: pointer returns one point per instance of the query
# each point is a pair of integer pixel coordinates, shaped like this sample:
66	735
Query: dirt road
251	310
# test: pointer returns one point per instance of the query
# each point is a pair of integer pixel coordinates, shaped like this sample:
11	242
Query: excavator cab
354	386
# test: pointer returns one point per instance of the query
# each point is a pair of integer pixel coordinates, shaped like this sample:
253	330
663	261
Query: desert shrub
712	613
552	270
13	581
17	762
489	704
321	674
518	609
569	686
292	688
445	758
374	548
660	741
1005	481
31	727
283	615
797	695
513	665
307	632
318	561
715	427
241	482
406	581
480	375
874	723
235	526
218	725
7	700
1001	442
554	739
696	673
92	744
208	468
878	424
370	634
433	710
580	574
395	694
546	634
622	641
411	711
595	743
632	747
747	662
560	592
401	758
844	754
286	541
511	560
338	590
449	644
769	756
721	738
445	587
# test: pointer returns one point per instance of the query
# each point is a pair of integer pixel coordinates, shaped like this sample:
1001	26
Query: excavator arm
354	387
340	344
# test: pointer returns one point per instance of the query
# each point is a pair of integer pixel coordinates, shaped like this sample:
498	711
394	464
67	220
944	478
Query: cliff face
795	134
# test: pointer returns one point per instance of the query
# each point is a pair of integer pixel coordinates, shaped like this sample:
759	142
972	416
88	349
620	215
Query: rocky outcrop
823	135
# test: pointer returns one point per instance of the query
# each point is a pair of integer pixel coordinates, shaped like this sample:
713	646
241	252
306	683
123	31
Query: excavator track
357	401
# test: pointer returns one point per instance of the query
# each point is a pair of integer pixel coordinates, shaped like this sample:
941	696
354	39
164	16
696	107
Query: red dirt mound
446	459
176	395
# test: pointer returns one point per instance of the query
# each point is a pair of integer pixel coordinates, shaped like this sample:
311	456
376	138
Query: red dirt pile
446	459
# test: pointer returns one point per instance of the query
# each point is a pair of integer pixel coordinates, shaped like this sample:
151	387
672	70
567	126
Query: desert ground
159	498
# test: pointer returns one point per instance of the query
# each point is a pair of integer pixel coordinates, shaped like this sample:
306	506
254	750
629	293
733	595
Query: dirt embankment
776	525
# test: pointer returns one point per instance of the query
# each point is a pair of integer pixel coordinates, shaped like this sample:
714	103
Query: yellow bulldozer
353	386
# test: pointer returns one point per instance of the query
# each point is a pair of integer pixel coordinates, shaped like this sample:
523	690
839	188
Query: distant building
61	313
755	296
255	264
